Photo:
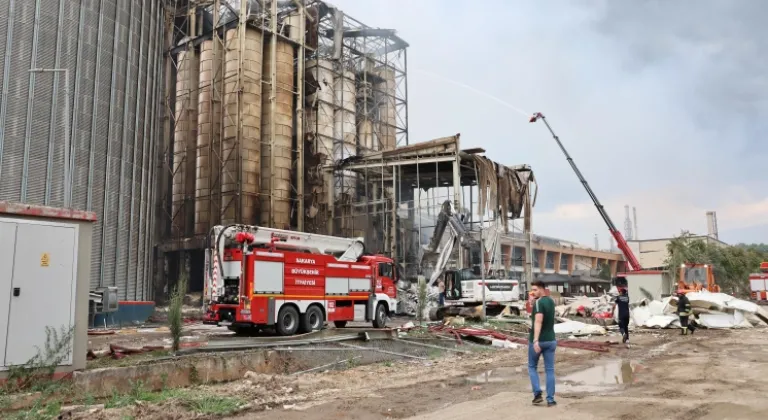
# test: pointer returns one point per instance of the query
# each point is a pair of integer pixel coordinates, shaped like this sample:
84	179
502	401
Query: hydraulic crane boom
632	261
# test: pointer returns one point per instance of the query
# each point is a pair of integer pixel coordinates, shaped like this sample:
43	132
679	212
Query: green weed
211	404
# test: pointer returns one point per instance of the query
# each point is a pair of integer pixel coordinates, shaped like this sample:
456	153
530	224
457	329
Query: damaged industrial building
293	115
158	120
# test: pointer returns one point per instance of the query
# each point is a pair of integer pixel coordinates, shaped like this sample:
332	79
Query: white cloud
660	111
660	213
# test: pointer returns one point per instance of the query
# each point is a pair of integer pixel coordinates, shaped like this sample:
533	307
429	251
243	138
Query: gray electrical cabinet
38	272
109	302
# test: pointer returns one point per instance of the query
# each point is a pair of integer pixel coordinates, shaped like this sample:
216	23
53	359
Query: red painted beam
32	210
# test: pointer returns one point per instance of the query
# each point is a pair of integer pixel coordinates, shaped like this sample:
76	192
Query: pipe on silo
338	33
321	119
250	159
320	125
276	187
185	142
345	129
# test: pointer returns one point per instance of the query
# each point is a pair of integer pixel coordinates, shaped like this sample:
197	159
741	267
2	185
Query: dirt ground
711	375
714	374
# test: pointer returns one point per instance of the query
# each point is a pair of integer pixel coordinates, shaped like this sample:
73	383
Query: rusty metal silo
248	167
209	120
185	141
386	90
276	186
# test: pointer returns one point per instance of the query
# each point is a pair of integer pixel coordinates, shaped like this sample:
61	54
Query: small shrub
422	296
37	373
175	317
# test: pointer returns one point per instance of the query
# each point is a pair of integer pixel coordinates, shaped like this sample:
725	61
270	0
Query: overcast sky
662	104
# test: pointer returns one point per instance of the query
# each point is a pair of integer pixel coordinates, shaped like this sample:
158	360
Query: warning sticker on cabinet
45	260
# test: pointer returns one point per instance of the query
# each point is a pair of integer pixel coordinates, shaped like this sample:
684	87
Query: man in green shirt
542	342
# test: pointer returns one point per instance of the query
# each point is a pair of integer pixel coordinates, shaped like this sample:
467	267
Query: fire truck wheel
381	316
312	320
287	321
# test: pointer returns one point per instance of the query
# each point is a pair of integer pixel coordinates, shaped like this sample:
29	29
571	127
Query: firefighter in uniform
684	312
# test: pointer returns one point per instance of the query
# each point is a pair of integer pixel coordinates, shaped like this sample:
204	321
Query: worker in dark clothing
684	312
622	301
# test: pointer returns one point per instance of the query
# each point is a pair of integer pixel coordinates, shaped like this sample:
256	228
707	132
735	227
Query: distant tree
761	247
731	264
605	272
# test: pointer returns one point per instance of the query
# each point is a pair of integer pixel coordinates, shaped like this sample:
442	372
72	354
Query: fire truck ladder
632	261
348	249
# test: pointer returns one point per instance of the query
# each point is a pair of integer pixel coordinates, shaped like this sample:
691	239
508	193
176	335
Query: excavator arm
448	223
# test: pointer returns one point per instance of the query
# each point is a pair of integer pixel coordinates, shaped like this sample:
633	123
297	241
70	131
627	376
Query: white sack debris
711	310
577	328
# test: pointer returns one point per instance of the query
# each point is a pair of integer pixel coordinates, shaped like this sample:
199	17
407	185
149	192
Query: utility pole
627	224
482	260
528	233
480	211
634	217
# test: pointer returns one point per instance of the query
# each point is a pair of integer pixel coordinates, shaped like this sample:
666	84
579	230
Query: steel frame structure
402	194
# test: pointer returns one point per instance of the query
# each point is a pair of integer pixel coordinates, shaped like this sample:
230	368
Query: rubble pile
711	310
408	299
587	307
499	339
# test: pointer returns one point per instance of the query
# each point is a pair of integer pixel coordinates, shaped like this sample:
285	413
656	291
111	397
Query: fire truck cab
758	284
295	281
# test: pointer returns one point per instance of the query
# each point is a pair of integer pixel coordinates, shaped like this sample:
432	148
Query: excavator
464	286
697	277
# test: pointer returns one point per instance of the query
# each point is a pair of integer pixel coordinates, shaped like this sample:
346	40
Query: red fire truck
758	284
294	281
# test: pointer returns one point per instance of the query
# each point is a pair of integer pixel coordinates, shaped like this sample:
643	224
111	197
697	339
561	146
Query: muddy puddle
606	376
498	375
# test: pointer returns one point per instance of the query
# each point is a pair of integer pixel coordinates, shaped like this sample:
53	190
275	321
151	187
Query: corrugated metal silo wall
113	51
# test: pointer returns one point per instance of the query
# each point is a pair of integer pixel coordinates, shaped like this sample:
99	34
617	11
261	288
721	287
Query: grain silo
242	78
209	121
276	186
185	140
386	89
367	124
367	135
109	98
345	129
264	157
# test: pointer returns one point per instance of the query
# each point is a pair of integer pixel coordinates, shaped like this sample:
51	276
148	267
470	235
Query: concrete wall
653	252
581	262
80	344
652	283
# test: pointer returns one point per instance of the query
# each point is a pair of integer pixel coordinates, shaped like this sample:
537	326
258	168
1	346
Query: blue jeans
548	351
